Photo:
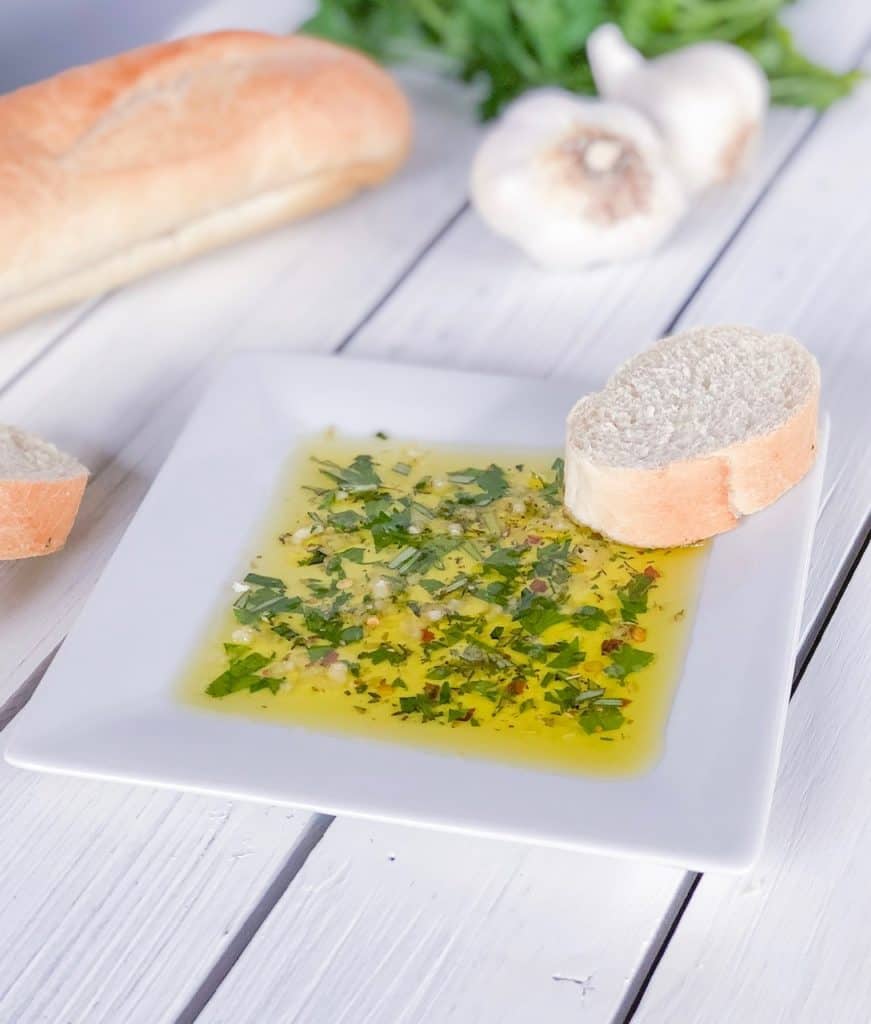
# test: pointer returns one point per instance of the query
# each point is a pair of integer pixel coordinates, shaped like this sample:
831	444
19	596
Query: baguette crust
765	467
36	516
123	166
688	501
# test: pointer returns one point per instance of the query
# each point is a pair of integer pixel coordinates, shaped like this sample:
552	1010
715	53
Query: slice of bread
689	436
40	492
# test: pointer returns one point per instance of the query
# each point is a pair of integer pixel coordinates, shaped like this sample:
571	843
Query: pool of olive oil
440	597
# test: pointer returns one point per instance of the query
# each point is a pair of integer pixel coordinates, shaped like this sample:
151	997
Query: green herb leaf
627	659
273	582
590	617
601	719
393	654
505	562
357	478
537	612
633	596
491	483
569	655
512	47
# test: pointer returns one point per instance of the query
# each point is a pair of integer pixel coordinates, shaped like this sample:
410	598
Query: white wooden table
134	905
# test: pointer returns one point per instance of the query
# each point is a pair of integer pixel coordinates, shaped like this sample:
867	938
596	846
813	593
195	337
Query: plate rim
745	847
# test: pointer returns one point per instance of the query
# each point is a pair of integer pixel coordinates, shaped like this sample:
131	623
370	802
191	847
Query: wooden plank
21	349
788	943
116	902
393	925
130	372
479	929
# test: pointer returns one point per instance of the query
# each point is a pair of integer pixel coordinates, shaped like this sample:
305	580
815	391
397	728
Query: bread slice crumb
687	437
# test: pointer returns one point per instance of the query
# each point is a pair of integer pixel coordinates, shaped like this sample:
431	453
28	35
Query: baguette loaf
137	162
686	438
40	492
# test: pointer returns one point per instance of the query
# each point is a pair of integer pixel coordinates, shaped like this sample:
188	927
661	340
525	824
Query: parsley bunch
513	45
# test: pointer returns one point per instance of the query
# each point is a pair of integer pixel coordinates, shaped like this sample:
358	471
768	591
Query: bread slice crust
40	492
36	516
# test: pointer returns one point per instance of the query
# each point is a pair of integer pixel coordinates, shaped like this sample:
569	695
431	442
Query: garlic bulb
576	182
708	100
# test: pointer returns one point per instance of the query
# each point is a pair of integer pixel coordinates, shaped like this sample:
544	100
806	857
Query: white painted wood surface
116	902
788	944
129	905
393	925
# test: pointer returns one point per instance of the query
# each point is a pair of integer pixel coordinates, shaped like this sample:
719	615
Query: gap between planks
410	267
310	838
672	919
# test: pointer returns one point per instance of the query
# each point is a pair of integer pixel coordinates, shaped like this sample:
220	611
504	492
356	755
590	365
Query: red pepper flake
427	636
330	658
652	573
533	538
538	586
609	646
516	686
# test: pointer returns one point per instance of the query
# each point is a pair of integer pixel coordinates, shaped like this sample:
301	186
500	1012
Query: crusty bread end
40	492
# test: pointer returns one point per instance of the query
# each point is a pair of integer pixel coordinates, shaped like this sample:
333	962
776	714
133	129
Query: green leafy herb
552	561
627	659
633	596
490	484
536	612
393	654
346	521
590	617
265	600
505	562
568	656
521	44
242	673
272	582
599	719
357	478
553	491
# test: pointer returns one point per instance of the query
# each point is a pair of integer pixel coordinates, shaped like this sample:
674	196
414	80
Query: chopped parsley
461	599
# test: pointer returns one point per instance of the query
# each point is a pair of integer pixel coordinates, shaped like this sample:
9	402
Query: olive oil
440	597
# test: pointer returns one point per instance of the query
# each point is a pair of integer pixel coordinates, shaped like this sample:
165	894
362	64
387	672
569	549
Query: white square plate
108	706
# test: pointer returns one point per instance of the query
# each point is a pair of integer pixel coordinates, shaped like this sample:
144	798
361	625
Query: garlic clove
576	181
708	100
